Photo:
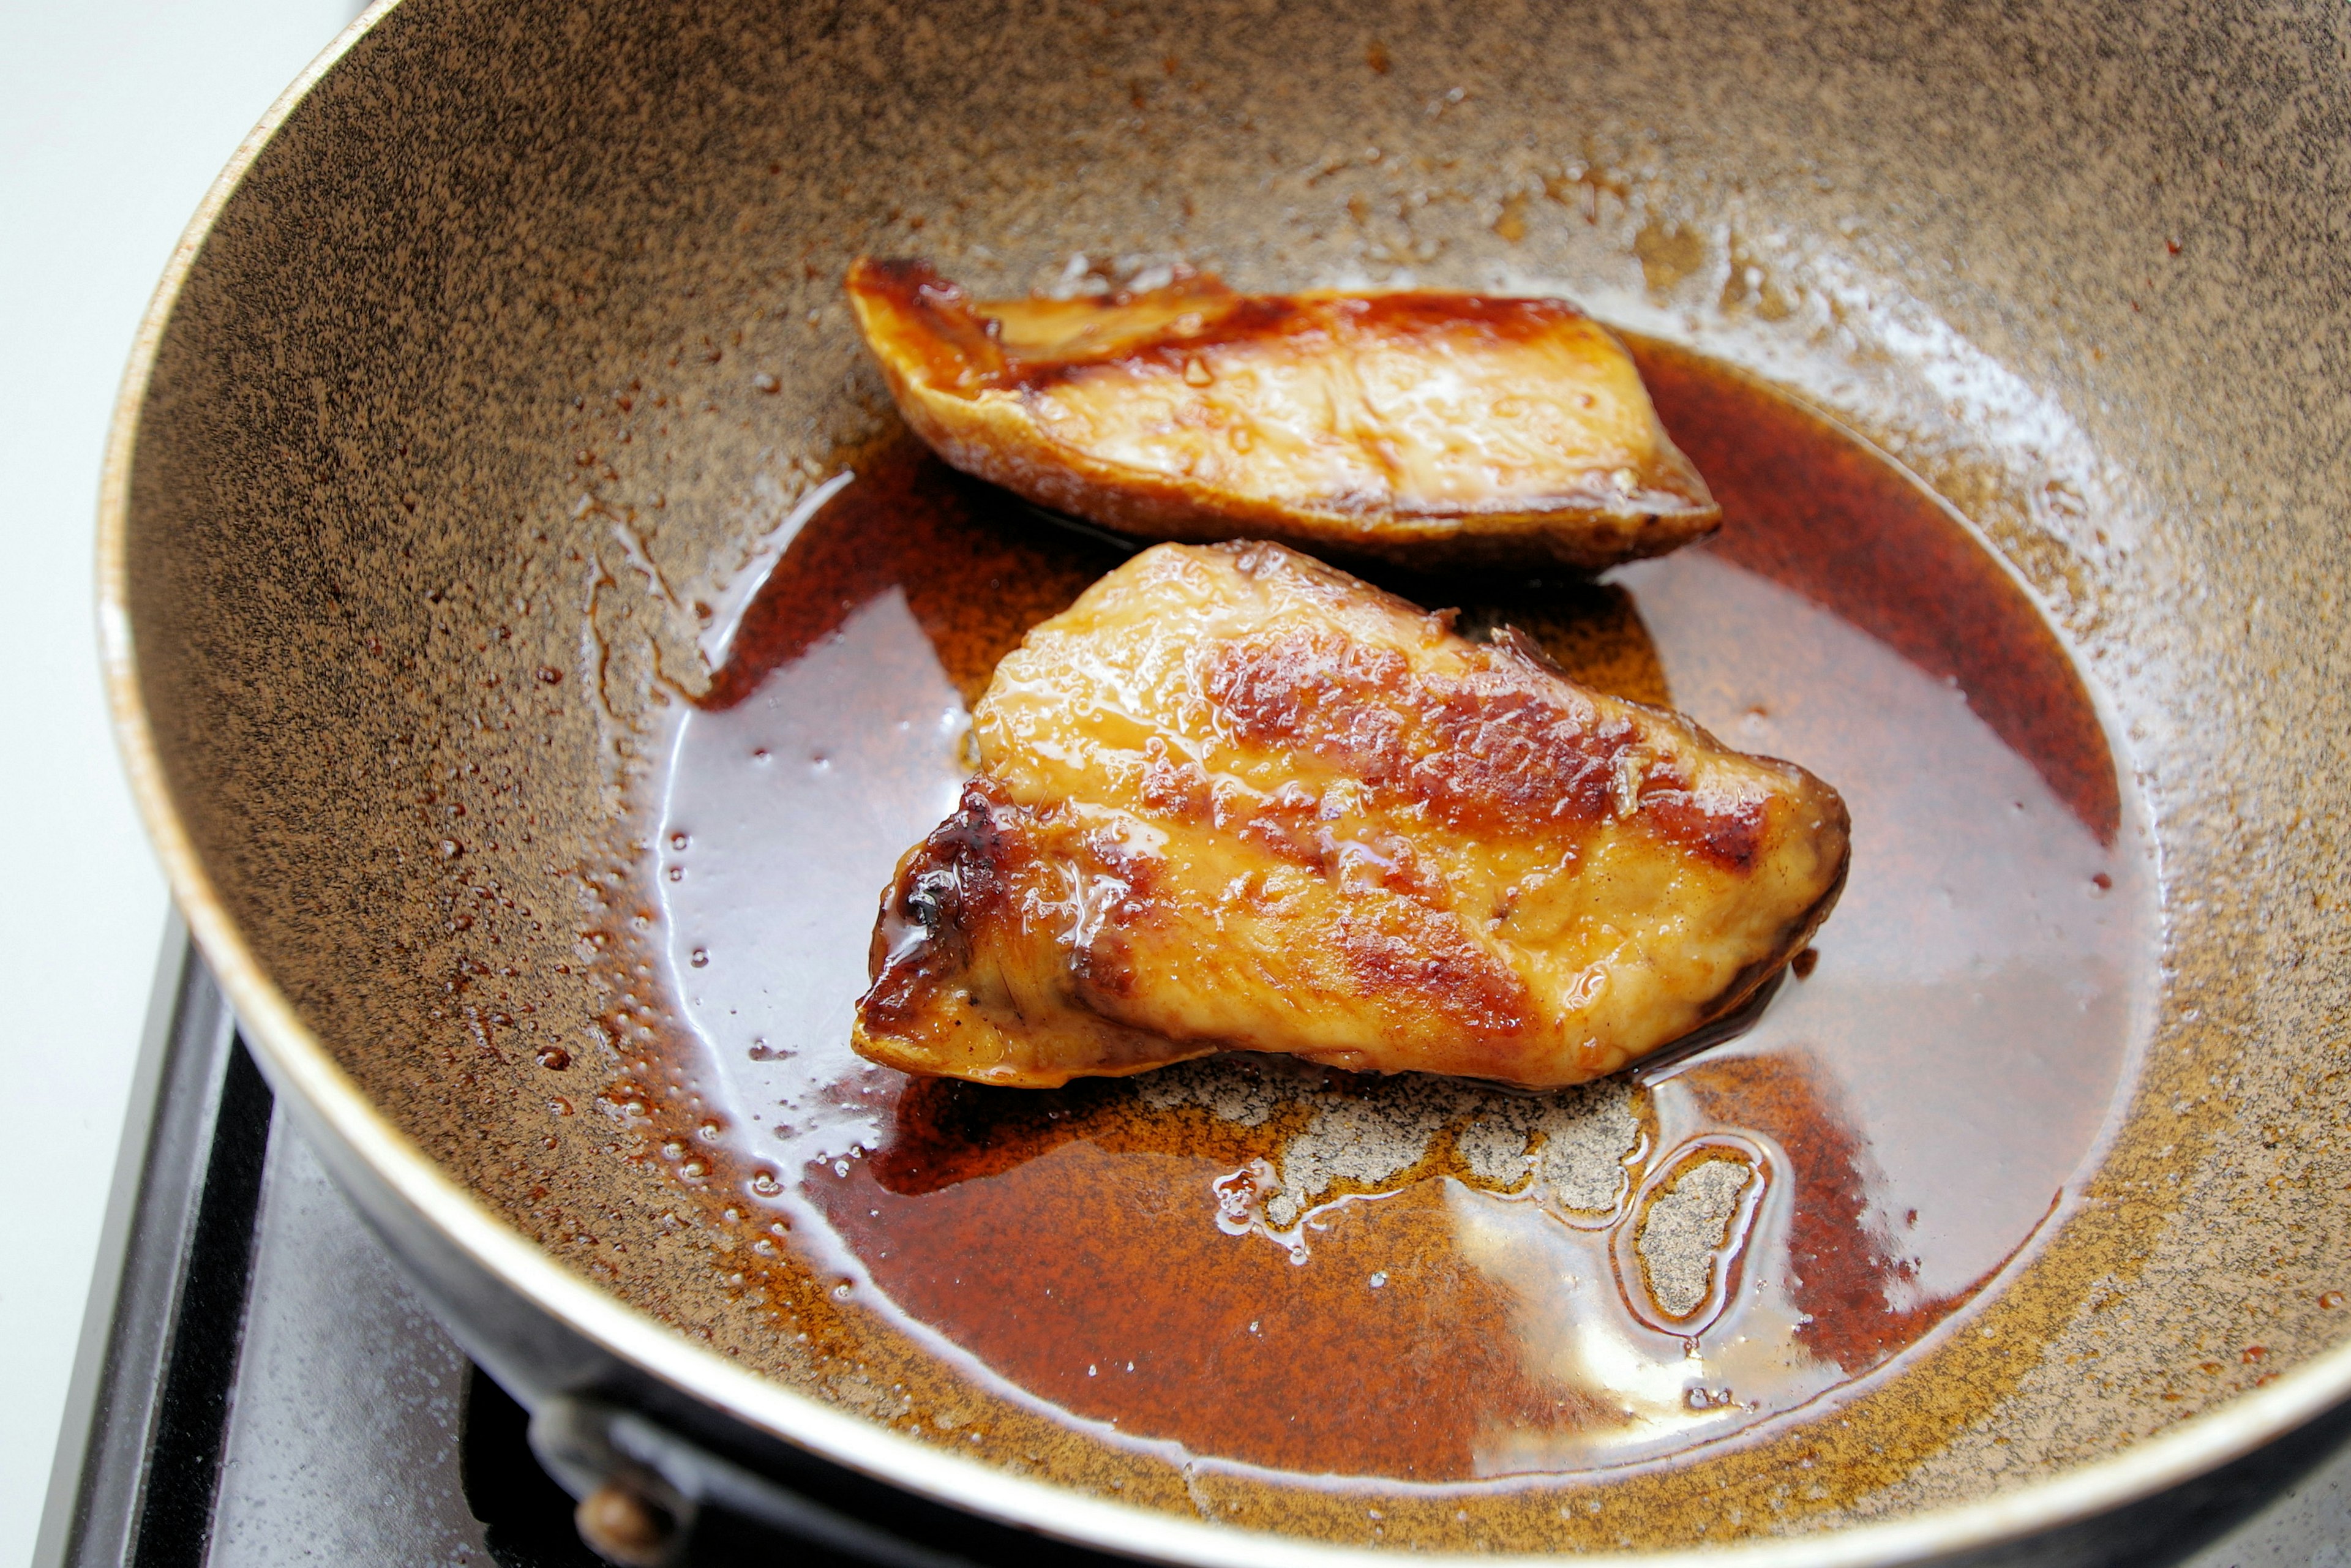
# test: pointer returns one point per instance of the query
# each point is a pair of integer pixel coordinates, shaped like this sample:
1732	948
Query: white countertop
115	115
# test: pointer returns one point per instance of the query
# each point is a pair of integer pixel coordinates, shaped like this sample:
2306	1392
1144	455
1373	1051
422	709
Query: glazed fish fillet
1235	799
1421	427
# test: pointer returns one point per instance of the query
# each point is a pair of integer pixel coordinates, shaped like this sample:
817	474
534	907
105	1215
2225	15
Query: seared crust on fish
1419	427
1235	799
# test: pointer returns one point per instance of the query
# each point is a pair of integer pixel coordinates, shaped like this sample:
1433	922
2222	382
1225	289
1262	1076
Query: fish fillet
1420	427
1235	799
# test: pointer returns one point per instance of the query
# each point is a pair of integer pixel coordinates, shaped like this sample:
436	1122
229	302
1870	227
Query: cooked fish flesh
1421	427
1235	799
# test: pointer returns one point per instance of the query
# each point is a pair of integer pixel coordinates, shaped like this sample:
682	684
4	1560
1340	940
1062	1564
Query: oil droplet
1512	222
701	957
555	1058
765	1184
2331	1300
1379	1280
679	841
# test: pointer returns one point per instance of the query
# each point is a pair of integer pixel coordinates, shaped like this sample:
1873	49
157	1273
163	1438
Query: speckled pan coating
526	326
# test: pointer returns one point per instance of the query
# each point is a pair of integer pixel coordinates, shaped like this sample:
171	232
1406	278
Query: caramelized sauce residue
1429	1279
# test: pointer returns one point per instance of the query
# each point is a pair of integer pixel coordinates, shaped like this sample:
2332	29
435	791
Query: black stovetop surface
263	1390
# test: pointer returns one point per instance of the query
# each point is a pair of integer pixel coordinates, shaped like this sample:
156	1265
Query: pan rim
299	1061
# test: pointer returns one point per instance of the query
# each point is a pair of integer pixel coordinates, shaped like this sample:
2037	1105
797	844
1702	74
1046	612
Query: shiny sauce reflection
1298	1269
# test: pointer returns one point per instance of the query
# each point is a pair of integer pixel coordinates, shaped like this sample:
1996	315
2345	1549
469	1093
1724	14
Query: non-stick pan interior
481	409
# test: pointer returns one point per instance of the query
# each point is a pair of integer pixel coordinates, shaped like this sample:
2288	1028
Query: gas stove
262	1389
267	1390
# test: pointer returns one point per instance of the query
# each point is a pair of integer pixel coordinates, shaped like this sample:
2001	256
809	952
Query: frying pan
397	634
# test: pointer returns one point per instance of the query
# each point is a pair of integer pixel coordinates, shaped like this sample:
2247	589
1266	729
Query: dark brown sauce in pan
1295	1269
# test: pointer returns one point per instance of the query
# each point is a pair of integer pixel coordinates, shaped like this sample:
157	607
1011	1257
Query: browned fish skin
1422	427
1233	798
